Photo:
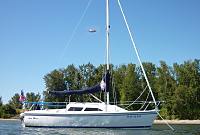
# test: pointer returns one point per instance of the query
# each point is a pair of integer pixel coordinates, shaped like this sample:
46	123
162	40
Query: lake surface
14	127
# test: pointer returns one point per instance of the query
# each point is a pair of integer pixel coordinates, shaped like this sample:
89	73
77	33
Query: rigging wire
145	102
137	98
114	91
165	121
74	31
133	43
136	51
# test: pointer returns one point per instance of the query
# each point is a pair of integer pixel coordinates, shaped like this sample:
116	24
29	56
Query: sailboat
99	114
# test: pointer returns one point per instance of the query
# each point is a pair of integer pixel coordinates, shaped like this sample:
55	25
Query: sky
38	36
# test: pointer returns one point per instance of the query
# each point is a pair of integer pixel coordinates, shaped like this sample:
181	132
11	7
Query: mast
107	44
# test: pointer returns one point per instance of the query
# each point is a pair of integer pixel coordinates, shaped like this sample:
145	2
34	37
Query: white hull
129	119
93	115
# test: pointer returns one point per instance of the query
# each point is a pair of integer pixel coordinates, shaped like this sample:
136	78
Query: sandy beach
177	121
9	119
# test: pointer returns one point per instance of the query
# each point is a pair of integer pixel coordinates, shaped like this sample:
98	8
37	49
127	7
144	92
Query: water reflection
15	128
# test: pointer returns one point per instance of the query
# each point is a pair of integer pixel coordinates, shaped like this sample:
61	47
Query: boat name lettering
133	116
32	118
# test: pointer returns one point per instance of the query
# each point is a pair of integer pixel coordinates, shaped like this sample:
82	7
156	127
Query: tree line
177	85
14	106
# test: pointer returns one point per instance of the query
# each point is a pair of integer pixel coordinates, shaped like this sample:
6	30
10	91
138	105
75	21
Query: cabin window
75	108
92	109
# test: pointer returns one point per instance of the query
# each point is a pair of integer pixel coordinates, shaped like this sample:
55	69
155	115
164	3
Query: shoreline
179	122
12	119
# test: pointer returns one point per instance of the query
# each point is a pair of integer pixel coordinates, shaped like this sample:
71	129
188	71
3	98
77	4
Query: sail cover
103	86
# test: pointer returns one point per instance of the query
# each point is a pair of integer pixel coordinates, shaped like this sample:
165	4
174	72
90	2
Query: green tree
166	85
130	88
32	97
187	99
87	72
7	111
54	81
150	70
178	86
1	102
73	81
14	101
119	75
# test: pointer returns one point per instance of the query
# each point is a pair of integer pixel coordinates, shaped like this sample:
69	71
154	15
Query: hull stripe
112	114
136	127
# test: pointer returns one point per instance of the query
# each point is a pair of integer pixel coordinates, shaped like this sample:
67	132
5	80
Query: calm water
9	127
